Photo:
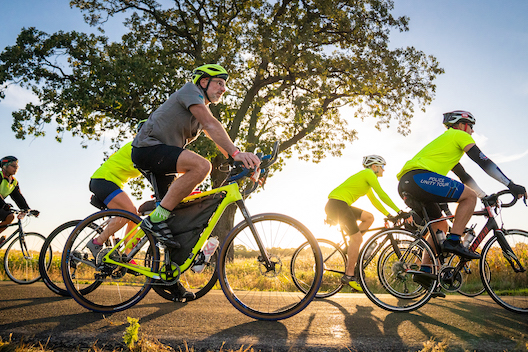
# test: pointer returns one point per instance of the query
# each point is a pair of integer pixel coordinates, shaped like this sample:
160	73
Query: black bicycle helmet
7	160
454	117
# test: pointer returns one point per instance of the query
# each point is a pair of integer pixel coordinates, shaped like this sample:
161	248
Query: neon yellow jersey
361	184
119	167
441	155
7	188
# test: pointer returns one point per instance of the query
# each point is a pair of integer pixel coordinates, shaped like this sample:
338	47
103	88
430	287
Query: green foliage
130	336
291	64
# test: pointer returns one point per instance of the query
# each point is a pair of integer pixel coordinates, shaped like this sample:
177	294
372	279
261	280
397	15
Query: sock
95	241
159	214
425	269
453	237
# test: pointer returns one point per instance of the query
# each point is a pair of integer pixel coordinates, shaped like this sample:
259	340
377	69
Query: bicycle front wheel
383	265
507	282
50	257
334	264
198	283
263	290
21	258
118	288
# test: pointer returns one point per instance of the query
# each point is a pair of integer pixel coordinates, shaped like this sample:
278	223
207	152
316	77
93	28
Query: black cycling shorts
346	215
4	214
430	189
104	190
161	160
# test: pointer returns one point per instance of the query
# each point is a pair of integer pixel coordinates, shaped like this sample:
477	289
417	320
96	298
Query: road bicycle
22	253
253	260
386	273
335	260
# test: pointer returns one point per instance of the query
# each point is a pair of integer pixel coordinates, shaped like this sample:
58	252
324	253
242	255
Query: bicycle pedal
438	294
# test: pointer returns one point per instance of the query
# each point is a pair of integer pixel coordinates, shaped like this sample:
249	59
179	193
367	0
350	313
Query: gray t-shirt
172	123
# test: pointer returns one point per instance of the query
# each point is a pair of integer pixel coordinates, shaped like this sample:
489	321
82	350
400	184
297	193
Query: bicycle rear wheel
269	293
334	264
118	288
198	283
506	285
21	258
382	270
50	259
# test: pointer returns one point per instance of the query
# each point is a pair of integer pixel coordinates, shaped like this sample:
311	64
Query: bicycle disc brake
274	270
450	279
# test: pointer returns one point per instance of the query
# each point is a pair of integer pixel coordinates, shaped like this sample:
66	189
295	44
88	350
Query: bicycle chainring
450	279
169	276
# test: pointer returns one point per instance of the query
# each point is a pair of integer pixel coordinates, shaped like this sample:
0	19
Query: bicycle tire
251	288
21	264
79	269
471	281
50	259
388	285
508	288
334	264
198	283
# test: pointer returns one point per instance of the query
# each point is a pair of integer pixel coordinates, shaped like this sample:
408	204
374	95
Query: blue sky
482	45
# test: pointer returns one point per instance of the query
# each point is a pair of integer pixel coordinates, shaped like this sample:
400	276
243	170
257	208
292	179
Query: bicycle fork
508	253
264	257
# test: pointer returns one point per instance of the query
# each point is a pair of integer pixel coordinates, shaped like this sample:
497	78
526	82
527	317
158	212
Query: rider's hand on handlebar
517	190
249	160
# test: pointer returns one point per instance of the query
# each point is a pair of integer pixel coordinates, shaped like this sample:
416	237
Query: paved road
346	322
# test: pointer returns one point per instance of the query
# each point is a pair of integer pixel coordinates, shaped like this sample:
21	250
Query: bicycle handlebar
238	171
492	199
29	212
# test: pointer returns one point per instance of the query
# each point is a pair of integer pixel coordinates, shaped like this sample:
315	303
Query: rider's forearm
468	180
487	165
218	134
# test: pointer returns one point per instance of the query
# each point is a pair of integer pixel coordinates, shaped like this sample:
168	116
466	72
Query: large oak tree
292	64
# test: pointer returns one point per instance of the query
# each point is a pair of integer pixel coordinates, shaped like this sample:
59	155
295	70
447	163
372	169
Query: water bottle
208	249
370	249
468	238
440	236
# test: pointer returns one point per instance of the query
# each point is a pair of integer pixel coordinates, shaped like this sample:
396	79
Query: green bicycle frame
233	195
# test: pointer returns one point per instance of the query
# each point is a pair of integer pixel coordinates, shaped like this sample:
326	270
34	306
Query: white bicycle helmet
453	117
373	160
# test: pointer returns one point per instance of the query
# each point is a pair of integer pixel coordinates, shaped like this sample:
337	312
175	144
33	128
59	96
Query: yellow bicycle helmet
209	70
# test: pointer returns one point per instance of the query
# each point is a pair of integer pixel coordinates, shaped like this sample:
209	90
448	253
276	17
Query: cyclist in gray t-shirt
159	146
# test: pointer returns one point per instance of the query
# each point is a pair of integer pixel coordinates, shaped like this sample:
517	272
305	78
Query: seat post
149	175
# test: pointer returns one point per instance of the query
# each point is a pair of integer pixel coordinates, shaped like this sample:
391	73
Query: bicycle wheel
198	283
50	259
268	293
471	282
334	264
383	265
21	258
118	288
507	284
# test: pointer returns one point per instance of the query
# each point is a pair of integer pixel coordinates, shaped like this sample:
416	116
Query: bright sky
482	45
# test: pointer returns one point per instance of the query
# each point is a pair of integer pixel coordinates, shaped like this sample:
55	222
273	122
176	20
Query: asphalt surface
344	322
